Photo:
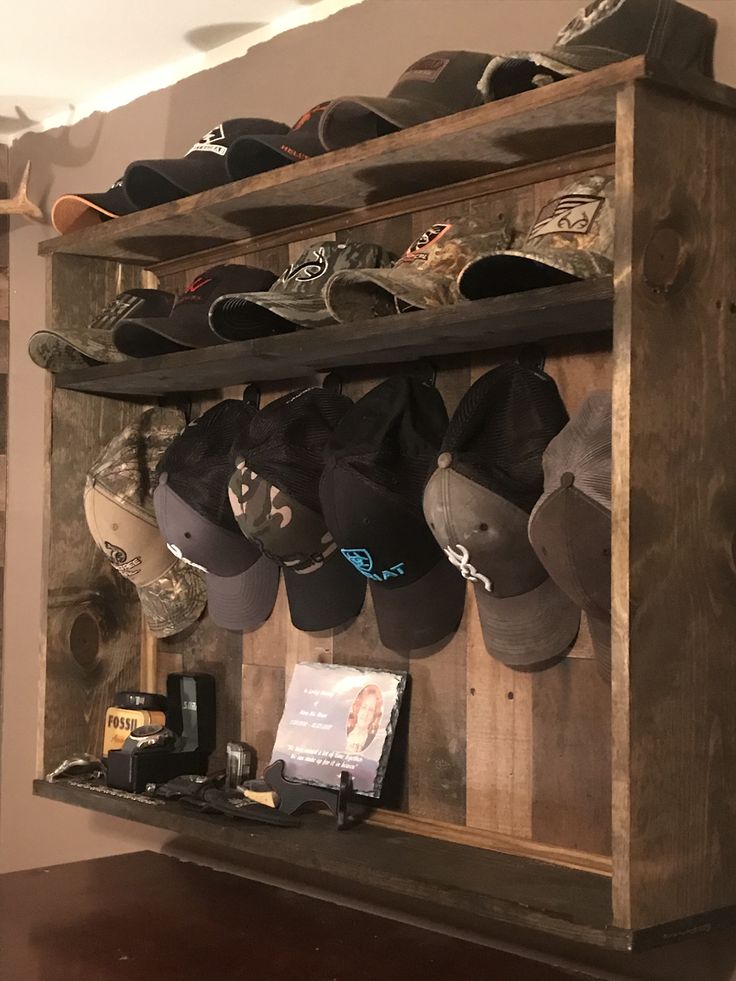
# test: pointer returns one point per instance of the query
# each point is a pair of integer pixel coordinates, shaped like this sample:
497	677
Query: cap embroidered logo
362	559
587	18
570	213
459	557
209	142
311	268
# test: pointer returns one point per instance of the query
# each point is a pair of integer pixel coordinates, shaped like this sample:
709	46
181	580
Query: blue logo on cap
362	559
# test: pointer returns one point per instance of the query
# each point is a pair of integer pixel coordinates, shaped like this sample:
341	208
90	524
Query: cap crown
580	217
308	275
446	78
446	247
226	278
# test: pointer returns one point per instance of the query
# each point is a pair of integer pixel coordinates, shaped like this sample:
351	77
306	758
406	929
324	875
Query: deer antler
19	204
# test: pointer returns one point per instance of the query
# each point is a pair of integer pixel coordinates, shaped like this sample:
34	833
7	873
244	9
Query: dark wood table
152	916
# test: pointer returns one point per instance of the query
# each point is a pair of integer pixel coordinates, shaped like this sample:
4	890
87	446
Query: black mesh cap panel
501	428
200	461
287	441
392	436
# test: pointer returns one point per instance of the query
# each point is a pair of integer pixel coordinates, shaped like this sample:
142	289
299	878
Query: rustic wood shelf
576	308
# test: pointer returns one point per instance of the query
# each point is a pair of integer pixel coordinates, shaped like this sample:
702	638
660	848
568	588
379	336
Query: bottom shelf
459	885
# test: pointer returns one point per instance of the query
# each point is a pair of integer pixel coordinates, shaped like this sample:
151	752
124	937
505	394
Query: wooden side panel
79	681
674	511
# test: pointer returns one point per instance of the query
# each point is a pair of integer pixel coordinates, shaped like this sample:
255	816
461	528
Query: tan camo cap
425	276
118	506
571	238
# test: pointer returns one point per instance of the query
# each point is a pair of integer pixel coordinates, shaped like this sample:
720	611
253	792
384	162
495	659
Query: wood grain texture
674	512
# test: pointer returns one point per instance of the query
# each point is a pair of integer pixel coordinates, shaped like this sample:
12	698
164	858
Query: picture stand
293	795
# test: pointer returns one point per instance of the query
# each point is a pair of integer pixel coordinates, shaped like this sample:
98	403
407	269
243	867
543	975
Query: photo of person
364	718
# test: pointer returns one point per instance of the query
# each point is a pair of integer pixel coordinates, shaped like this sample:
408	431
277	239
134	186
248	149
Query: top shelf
567	117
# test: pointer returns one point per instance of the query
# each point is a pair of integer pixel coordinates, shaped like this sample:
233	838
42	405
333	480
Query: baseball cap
436	85
572	238
371	492
426	275
152	182
297	296
570	526
196	520
70	212
477	503
250	155
64	348
607	31
121	519
186	326
274	497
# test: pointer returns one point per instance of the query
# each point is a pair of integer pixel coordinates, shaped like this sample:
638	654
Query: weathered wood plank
674	511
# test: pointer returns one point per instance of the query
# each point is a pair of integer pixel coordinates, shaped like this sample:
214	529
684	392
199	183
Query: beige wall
361	50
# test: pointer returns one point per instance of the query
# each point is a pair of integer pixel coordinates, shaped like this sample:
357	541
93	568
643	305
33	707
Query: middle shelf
520	318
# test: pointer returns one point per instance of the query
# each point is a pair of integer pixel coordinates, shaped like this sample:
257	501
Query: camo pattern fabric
126	470
285	530
574	230
298	294
425	276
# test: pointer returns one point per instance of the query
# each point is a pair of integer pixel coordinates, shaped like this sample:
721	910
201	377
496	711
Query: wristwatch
146	739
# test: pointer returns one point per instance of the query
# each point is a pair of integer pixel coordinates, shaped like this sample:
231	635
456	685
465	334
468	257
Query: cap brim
328	597
70	212
174	601
531	631
423	613
515	271
58	350
245	601
251	155
355	119
366	293
243	314
145	337
153	182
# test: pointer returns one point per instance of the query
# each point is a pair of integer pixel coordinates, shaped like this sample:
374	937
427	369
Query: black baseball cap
187	325
477	503
256	154
570	526
297	298
371	491
274	497
436	85
70	212
195	518
152	182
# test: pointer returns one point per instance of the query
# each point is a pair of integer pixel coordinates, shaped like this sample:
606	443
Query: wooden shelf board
575	308
570	116
403	870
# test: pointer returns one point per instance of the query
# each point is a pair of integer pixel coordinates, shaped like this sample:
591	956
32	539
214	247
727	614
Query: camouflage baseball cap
425	276
120	516
607	31
274	495
79	347
570	526
572	238
297	296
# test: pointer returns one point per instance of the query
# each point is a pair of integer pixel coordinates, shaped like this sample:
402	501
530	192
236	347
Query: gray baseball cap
571	238
426	275
195	518
120	516
296	299
436	85
570	526
607	31
477	504
62	349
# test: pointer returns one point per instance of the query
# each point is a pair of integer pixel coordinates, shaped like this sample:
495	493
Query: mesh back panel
501	428
393	434
287	441
583	448
200	462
